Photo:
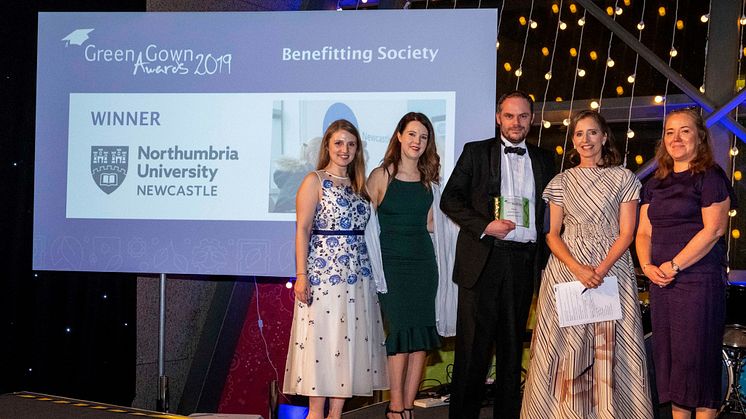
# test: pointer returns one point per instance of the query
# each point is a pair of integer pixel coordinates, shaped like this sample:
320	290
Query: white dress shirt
517	179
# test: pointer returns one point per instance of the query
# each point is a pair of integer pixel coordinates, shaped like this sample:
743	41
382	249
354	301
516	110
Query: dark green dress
410	268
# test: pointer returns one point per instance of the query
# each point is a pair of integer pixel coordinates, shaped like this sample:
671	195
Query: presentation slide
175	142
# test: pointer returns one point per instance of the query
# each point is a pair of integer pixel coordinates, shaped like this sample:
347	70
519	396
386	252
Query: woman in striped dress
594	370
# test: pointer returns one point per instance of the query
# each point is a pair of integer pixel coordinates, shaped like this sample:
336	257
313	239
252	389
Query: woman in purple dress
681	248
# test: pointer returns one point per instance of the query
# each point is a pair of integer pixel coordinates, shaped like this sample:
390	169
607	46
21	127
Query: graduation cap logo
77	37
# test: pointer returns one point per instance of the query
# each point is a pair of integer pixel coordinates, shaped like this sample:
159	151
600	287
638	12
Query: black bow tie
517	150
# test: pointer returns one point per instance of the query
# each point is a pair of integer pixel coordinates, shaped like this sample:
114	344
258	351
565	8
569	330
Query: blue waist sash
338	232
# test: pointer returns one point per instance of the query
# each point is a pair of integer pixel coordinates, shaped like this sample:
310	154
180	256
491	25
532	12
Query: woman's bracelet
297	274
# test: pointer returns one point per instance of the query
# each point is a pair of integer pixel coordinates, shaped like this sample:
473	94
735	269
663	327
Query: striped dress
594	370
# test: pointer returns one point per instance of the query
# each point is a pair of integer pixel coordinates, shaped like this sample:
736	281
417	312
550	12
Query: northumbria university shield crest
109	166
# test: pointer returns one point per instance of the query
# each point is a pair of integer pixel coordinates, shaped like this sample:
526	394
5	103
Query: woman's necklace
335	176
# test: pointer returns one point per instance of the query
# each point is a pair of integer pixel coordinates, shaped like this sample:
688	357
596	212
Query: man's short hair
515	93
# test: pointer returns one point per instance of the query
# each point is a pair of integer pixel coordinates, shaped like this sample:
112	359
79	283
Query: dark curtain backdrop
62	333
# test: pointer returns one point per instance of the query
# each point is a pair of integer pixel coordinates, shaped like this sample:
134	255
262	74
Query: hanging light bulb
555	8
702	88
704	18
507	67
522	21
545	51
573	8
289	284
638	159
581	72
581	21
497	45
618	11
732	213
737	175
742	20
548	76
734	151
566	122
619	90
559	149
610	62
679	24
594	104
673	52
631	78
546	124
593	55
661	11
658	99
630	133
735	233
519	72
562	25
533	24
641	26
609	10
558	99
573	52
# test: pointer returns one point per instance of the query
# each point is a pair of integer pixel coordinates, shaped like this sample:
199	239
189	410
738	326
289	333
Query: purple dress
688	315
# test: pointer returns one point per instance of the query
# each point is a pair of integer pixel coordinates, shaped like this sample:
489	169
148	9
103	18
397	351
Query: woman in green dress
401	190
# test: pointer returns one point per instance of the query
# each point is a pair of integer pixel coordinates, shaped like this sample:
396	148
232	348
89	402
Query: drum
735	303
734	359
735	336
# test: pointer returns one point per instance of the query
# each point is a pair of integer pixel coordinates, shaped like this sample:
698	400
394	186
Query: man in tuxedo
494	195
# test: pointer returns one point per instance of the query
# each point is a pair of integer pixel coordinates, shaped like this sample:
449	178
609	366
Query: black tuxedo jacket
468	200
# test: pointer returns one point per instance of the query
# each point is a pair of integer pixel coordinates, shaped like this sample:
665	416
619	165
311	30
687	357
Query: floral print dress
336	342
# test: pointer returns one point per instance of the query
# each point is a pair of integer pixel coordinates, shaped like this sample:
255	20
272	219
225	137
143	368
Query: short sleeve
647	191
716	187
553	192
630	186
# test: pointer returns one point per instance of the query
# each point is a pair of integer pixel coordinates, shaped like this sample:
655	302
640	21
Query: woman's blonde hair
356	168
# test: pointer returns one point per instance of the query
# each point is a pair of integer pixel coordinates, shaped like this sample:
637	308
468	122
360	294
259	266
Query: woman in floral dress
336	343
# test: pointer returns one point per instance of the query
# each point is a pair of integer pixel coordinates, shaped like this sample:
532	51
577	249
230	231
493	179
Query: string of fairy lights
673	52
579	72
548	75
616	11
735	175
531	25
632	79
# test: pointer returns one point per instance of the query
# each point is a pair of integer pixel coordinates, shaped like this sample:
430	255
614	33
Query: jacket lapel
538	170
493	183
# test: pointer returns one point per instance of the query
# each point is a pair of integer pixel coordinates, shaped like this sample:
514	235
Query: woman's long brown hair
701	162
429	162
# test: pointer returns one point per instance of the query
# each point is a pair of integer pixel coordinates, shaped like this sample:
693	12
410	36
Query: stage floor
26	405
378	411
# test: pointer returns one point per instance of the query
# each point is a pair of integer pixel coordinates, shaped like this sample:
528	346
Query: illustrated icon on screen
109	166
77	37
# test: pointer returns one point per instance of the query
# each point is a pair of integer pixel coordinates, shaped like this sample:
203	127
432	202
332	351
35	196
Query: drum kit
734	351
